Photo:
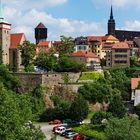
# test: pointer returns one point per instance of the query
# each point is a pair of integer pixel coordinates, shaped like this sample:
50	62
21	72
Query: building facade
81	43
119	56
88	58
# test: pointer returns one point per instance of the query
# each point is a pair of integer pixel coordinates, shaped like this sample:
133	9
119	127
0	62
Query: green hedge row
90	131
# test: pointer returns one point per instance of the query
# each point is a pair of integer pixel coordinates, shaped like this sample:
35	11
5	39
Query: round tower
40	33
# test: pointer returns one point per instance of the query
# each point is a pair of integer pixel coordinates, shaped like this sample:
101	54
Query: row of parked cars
66	132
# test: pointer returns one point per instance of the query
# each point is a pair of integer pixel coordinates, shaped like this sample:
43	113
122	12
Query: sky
70	17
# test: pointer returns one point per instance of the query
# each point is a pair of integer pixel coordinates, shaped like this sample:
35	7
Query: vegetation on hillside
17	111
91	75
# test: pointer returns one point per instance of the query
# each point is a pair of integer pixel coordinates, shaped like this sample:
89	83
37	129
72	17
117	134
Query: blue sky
70	17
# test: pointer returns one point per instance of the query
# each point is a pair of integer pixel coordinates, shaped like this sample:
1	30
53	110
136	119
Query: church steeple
111	23
111	13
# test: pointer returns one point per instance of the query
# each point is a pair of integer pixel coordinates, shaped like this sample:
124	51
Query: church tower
111	24
40	33
5	29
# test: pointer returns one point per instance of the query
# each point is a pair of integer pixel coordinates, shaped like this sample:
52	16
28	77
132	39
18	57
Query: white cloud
132	25
27	4
27	21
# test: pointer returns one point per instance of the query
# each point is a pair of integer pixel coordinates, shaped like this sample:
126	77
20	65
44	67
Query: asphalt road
47	130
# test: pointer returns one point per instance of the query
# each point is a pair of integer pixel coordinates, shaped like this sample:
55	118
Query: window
120	50
120	62
85	47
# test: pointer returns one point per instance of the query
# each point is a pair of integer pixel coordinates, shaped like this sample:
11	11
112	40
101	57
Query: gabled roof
120	45
82	53
43	43
134	83
16	40
40	25
109	38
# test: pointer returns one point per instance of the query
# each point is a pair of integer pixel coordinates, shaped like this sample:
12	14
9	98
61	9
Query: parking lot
47	130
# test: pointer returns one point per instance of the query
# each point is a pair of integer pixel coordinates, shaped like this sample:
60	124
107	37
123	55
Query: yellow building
101	44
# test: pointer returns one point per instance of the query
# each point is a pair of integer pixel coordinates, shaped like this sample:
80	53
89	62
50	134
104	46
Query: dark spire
111	13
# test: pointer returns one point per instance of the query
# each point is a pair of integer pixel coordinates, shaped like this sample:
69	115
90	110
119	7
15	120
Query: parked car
70	134
60	130
55	122
55	127
78	137
64	133
76	122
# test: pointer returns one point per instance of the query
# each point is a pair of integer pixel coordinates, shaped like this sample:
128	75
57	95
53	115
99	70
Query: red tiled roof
43	43
40	25
84	54
120	45
134	83
94	38
16	40
109	37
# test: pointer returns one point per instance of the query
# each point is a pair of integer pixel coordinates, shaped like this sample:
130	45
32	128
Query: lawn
91	131
91	75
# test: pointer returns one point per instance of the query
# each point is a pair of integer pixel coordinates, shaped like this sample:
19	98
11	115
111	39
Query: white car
60	130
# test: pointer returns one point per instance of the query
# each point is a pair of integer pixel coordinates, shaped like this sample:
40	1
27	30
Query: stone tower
40	33
111	24
5	29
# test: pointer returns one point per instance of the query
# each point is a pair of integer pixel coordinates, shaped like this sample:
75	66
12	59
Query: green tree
94	92
66	46
120	81
116	106
37	101
67	64
9	80
99	116
134	61
137	110
79	109
13	122
127	128
28	53
46	61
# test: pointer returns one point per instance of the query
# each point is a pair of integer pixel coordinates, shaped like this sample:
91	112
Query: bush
99	116
90	131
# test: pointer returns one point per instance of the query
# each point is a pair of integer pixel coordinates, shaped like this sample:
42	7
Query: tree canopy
79	109
46	61
28	53
66	46
127	128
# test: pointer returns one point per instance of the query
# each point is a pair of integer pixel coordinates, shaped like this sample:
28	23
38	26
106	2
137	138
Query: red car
55	127
55	122
78	137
